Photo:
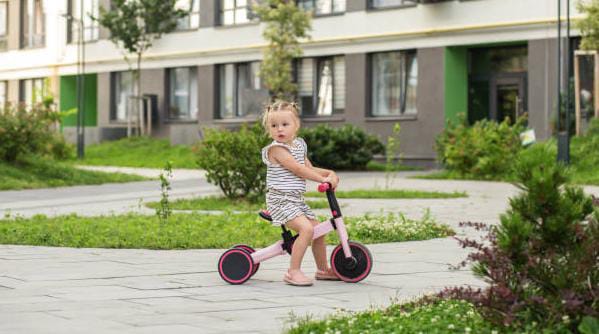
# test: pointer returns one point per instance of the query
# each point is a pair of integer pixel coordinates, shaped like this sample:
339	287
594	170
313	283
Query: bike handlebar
328	187
324	187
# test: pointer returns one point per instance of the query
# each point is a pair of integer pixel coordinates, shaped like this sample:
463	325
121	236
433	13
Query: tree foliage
135	24
589	25
286	24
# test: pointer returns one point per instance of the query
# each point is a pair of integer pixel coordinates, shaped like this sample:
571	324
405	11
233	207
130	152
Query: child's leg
319	249
304	227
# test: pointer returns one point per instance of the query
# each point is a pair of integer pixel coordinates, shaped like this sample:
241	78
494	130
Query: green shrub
31	130
344	148
232	160
484	150
541	260
585	149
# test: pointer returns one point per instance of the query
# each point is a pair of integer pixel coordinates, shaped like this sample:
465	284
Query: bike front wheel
355	268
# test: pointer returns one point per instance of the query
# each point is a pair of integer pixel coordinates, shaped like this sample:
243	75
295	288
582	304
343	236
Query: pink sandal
299	279
326	275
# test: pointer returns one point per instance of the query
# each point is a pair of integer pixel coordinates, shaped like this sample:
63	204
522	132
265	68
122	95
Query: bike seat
265	215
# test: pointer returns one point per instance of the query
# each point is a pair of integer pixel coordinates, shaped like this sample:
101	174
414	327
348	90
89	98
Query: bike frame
321	229
335	223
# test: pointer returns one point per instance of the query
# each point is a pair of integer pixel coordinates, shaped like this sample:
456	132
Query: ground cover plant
541	260
223	203
184	231
440	316
139	152
37	172
394	193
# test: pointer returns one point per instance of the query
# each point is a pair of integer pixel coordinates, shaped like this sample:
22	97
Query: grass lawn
443	316
390	194
39	173
139	152
223	203
376	166
186	231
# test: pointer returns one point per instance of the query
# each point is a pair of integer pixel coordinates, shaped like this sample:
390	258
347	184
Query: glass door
508	97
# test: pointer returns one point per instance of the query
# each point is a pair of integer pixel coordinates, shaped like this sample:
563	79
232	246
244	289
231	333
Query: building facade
372	63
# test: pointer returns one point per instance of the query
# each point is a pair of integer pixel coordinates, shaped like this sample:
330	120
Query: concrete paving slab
66	290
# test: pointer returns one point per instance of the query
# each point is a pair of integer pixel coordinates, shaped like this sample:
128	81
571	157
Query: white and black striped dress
285	190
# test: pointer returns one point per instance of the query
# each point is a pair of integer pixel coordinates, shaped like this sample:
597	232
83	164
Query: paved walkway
66	290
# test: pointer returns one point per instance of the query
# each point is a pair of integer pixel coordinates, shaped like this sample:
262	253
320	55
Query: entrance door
508	96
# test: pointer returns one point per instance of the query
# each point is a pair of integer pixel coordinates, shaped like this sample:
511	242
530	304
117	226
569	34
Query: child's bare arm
321	171
330	175
283	157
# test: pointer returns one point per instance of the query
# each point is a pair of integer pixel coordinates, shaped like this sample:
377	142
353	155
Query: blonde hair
280	105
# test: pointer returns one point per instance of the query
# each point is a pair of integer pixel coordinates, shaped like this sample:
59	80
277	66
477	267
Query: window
322	7
391	3
394	83
241	93
3	24
321	85
191	21
235	12
122	90
3	93
32	24
183	93
90	27
32	91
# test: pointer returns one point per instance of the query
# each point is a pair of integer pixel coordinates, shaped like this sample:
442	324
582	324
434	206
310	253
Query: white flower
450	326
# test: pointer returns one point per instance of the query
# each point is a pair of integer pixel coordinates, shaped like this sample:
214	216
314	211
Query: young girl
288	168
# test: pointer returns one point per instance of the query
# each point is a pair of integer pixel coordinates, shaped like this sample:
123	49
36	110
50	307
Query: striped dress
285	190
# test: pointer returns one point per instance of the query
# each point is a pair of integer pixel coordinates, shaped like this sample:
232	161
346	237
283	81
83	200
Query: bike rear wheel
236	266
249	250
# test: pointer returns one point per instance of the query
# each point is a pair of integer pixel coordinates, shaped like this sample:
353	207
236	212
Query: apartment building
371	63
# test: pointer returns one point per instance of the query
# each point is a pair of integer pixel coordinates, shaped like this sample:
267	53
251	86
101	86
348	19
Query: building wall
542	85
440	32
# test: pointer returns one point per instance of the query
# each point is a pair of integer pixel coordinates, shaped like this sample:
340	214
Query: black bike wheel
249	250
235	266
354	269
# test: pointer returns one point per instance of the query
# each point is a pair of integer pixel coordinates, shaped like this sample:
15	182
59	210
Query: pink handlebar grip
323	187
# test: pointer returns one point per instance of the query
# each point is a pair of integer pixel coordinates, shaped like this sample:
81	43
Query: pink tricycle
350	260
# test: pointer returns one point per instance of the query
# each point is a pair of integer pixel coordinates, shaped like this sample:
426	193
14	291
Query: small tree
589	25
286	24
134	25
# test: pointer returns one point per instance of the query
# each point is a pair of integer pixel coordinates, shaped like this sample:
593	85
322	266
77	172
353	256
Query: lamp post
563	136
80	82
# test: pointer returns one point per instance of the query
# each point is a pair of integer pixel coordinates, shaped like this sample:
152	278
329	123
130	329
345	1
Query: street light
563	137
80	83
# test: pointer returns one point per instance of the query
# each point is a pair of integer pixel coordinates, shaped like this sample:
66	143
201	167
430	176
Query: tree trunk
137	99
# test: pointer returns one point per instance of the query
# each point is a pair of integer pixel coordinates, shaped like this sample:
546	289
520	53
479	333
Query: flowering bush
395	227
